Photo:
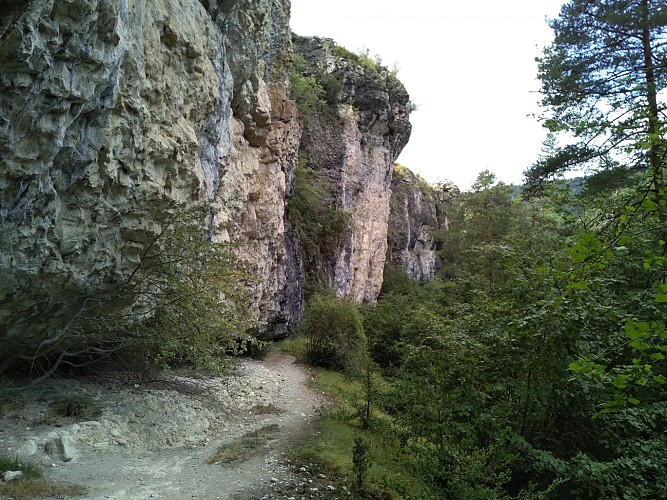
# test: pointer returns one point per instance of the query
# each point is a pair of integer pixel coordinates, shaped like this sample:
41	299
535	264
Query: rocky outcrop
353	143
115	115
418	211
257	170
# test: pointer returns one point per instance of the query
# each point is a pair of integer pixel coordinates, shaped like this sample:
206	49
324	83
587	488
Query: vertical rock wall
114	115
105	126
257	172
117	114
353	144
418	211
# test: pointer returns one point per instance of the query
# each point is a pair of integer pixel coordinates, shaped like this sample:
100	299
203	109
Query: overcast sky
469	66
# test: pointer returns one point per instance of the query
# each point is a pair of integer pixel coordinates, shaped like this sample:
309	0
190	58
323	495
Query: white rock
60	447
27	449
11	475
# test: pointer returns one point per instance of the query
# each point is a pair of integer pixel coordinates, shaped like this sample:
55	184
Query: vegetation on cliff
319	226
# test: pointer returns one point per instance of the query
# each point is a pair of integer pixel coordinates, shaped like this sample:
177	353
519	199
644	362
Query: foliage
197	304
32	483
335	333
361	461
362	59
315	91
76	405
306	91
535	371
185	302
387	477
483	218
296	345
319	226
600	79
30	471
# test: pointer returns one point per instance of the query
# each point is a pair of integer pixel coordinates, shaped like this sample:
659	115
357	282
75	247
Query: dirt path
262	394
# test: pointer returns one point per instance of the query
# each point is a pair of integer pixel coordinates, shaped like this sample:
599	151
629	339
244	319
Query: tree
600	82
480	220
185	302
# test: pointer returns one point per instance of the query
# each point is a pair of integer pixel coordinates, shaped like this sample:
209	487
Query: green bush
199	313
363	59
189	306
306	91
335	333
361	461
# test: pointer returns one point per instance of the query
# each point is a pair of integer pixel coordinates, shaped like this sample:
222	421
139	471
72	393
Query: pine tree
600	82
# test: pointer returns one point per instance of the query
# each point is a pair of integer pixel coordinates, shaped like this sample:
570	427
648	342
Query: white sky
468	65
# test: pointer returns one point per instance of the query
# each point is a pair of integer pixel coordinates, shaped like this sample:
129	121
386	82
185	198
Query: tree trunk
653	129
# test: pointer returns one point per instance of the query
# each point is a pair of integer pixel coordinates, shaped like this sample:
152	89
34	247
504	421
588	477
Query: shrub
305	89
335	332
76	405
197	302
361	461
10	400
188	305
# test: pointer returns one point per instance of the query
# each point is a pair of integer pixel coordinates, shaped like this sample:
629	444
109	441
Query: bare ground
154	442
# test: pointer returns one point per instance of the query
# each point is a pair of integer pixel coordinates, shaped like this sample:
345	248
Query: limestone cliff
418	211
116	115
353	142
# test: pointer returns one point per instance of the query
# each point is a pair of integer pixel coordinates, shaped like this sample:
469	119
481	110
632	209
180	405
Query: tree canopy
600	82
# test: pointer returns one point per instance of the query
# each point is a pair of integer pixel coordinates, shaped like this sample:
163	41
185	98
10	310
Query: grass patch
244	447
296	345
342	388
11	401
76	405
30	471
29	488
389	475
32	484
269	409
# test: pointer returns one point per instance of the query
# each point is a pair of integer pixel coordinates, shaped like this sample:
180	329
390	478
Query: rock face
113	116
418	210
116	115
353	144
